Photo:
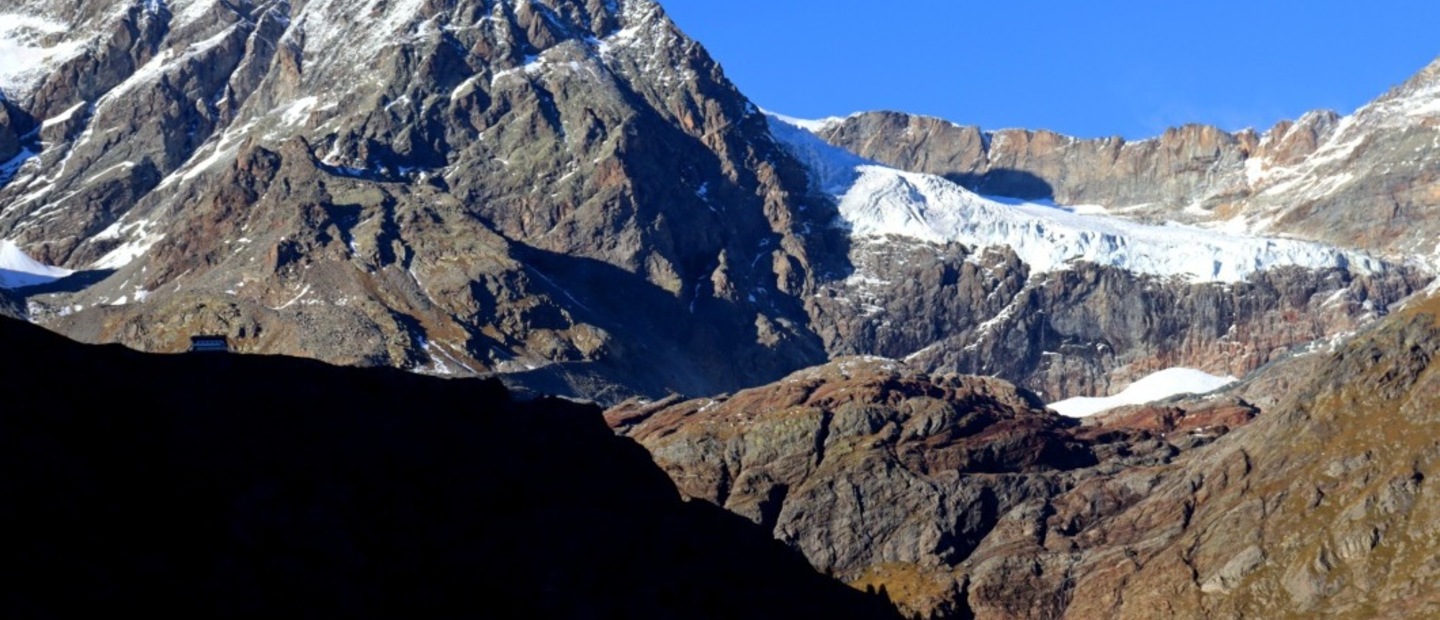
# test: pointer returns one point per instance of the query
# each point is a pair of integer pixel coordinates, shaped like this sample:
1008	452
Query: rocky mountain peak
495	180
1425	83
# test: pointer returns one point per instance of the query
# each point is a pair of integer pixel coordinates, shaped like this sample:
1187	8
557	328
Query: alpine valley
855	332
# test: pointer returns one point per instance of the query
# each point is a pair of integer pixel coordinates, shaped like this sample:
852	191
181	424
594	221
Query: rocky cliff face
1087	330
249	486
965	500
1181	166
1361	180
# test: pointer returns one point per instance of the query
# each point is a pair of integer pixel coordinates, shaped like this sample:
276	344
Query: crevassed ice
875	201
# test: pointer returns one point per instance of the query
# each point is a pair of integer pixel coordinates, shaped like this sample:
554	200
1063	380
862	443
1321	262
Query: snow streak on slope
1157	386
875	201
17	269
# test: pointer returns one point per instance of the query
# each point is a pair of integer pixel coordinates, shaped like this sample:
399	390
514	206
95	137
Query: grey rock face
9	135
1183	165
1086	330
11	305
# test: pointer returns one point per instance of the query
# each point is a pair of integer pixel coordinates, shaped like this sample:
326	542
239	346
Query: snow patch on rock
1157	386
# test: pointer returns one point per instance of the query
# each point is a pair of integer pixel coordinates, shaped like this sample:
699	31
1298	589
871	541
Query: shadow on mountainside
72	283
661	343
1007	182
216	485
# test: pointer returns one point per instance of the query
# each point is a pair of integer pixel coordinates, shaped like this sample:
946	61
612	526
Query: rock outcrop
884	476
12	305
1176	168
216	485
9	137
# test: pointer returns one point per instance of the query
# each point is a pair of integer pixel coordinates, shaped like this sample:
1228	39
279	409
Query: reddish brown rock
888	477
1320	506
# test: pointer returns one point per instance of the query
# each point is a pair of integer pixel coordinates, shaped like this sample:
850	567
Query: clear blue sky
1088	68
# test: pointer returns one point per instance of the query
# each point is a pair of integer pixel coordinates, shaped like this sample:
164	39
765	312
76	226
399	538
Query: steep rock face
1177	167
885	476
1361	180
247	486
459	186
1085	330
1067	303
1321	506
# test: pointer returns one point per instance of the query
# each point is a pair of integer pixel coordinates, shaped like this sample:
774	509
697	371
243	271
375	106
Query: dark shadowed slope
214	485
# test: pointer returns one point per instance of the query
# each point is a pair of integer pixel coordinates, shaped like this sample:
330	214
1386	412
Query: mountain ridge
568	194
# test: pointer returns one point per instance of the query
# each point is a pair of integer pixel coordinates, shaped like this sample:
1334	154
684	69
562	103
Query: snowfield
17	269
1157	386
875	201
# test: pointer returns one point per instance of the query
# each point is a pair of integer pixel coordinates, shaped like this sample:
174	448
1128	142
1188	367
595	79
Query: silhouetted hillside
214	485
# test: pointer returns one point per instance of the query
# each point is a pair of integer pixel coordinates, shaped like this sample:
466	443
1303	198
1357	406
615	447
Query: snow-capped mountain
1366	180
460	187
572	194
876	201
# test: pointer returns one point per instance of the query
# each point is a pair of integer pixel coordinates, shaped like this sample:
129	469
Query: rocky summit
572	195
459	187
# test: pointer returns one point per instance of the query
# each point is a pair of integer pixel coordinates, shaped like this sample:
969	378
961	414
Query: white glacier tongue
17	269
875	201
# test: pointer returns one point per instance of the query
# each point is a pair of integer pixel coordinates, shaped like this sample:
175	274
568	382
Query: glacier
877	201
